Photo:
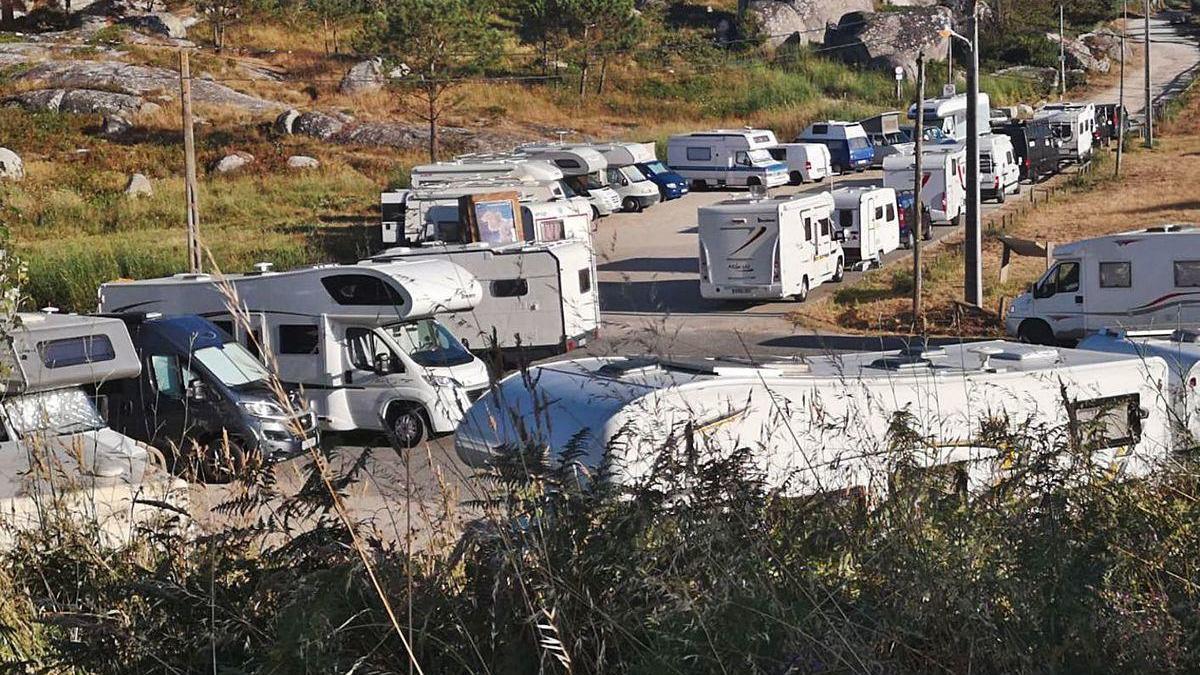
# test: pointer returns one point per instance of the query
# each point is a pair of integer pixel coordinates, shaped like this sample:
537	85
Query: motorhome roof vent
190	276
901	363
629	366
1186	335
263	267
1166	228
50	310
922	350
1024	353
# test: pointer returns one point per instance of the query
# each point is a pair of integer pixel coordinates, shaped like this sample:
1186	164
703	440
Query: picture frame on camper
492	218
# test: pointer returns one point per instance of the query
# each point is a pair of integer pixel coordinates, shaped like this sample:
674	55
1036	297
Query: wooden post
1005	258
916	227
195	263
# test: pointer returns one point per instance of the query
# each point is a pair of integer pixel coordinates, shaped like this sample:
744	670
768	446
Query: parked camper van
54	442
868	222
482	167
1034	145
943	191
849	148
360	341
773	248
999	174
1073	125
949	114
806	162
586	171
1181	350
885	135
539	299
198	387
636	190
723	157
826	423
1135	280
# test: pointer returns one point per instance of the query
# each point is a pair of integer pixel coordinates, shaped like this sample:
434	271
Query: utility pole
972	246
189	159
1149	103
1062	54
1119	114
915	229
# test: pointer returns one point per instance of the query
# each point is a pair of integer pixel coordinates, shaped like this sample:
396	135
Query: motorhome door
1058	298
370	360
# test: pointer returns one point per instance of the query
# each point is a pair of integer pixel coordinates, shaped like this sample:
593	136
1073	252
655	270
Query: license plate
308	444
740	291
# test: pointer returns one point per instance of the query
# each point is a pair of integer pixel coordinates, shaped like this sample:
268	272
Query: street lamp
972	246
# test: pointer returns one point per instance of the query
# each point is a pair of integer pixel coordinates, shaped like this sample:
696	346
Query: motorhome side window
76	351
509	288
567	164
168	377
298	339
1187	273
741	158
585	280
845	218
360	289
366	348
878	213
1116	275
1110	422
807	228
891	211
699	154
225	325
1062	278
825	227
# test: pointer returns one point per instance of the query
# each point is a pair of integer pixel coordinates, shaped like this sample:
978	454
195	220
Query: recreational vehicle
1073	125
359	341
56	450
949	114
584	169
943	181
739	157
1181	350
772	248
868	224
1034	145
885	135
828	423
999	174
1136	280
806	162
637	191
849	147
199	389
539	299
474	168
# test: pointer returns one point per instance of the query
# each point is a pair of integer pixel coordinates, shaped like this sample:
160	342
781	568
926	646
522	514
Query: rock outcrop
81	101
889	40
114	126
138	186
11	166
363	77
158	23
233	162
799	21
1079	56
317	125
285	121
1105	43
1044	76
302	162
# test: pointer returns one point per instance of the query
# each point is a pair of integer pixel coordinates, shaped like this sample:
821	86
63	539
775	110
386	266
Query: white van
949	114
360	341
999	172
584	169
1135	280
55	445
806	162
636	190
868	223
828	423
1181	350
539	299
773	248
943	183
1073	125
726	157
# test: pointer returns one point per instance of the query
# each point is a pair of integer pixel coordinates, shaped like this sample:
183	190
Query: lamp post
972	245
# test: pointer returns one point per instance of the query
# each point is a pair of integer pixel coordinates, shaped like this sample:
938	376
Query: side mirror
839	235
197	391
383	364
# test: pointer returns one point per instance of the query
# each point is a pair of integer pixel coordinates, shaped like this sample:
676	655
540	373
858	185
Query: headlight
263	409
442	381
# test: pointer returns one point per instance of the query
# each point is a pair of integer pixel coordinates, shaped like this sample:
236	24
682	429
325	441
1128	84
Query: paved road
1174	56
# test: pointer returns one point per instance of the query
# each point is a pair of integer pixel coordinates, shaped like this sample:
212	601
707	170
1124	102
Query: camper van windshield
595	180
568	191
1061	130
429	343
232	365
760	156
60	412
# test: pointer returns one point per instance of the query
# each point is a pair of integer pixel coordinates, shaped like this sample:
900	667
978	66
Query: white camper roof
1186	234
626	154
573	160
53	351
481	167
429	249
755	138
851	197
951	106
752	205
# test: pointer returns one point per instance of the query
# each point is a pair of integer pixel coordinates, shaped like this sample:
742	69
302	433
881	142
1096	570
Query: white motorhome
503	168
722	157
949	113
585	170
999	172
772	248
806	162
943	182
56	449
1073	125
637	191
828	423
360	341
1143	279
1181	350
539	299
869	223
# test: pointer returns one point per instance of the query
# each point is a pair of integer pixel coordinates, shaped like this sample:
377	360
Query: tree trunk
433	130
603	75
583	69
6	12
337	48
325	33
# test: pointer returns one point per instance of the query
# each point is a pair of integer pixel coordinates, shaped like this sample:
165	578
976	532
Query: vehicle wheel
1000	196
803	294
407	427
595	213
1035	331
1018	190
908	240
631	205
797	178
880	259
698	185
927	226
753	181
839	271
213	464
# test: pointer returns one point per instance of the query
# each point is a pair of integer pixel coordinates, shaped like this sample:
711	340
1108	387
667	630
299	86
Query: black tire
699	184
797	178
407	427
208	462
1018	188
630	205
927	227
753	181
839	272
595	214
803	294
908	240
1000	196
880	258
1035	331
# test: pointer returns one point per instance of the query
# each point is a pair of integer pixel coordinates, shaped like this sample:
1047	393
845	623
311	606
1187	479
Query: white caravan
868	222
57	454
361	341
1134	280
585	170
1181	350
637	191
1073	125
828	423
539	299
943	181
949	114
999	172
806	162
723	157
768	249
471	168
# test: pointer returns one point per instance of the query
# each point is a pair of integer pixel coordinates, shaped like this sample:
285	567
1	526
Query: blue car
670	184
